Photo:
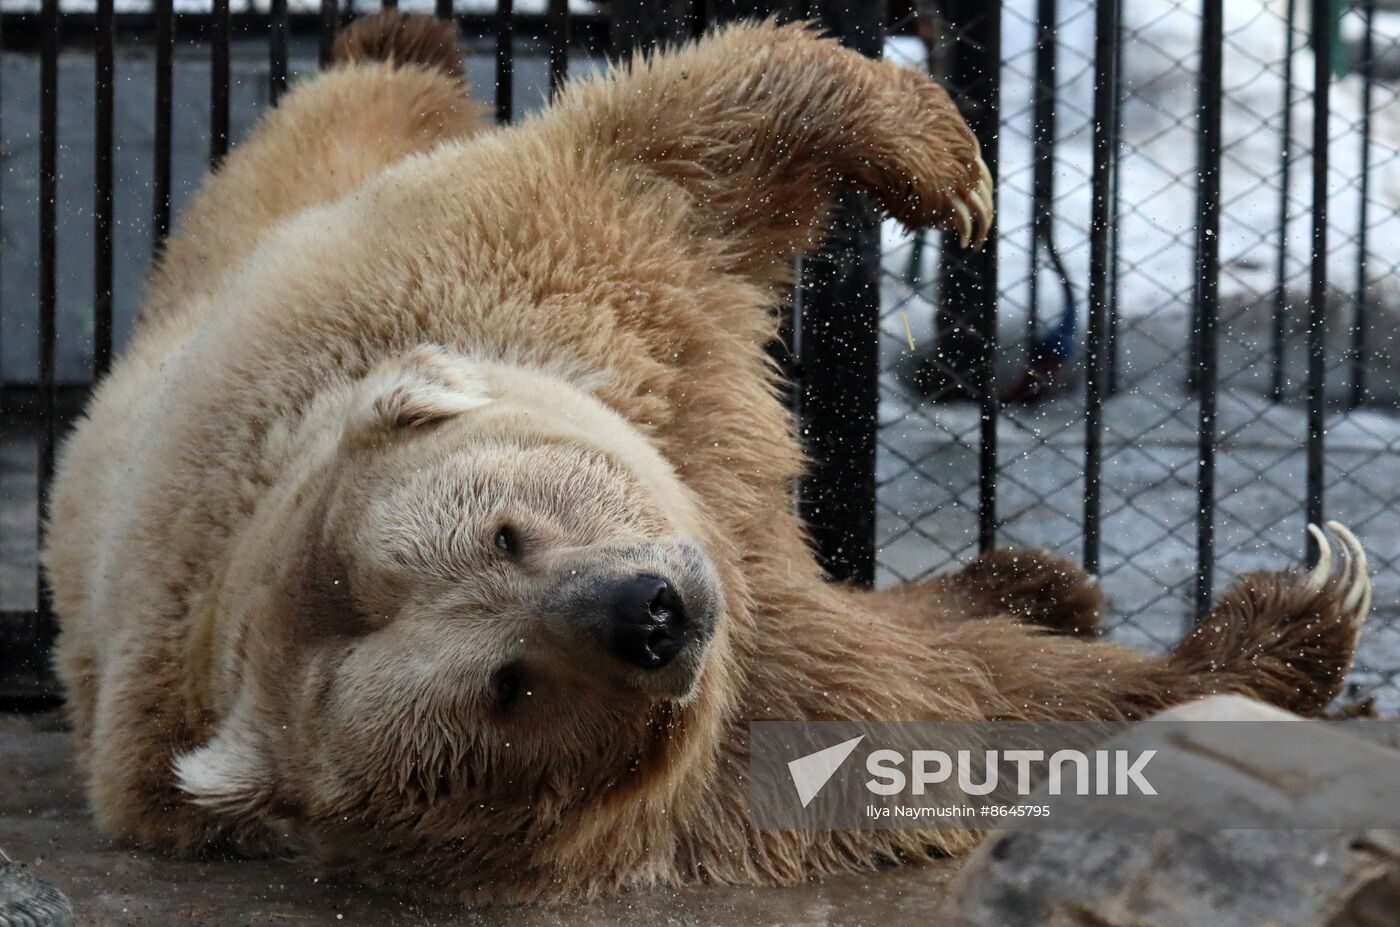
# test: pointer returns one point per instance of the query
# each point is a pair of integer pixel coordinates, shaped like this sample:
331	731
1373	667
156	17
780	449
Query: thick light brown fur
380	332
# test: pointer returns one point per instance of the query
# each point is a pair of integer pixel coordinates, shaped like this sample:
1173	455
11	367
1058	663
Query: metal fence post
1105	141
1208	292
952	372
838	319
961	365
838	396
1366	69
1322	24
505	60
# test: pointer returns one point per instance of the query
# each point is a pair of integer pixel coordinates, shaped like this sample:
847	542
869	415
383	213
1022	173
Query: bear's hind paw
1289	638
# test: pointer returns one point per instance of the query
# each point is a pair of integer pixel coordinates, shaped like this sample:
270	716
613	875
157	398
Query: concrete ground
44	824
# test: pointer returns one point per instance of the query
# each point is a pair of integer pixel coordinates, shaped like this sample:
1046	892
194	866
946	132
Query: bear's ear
231	773
421	388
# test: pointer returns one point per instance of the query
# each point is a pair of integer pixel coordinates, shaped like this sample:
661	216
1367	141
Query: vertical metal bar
1280	331
218	83
505	60
277	51
160	187
1361	328
389	4
962	361
103	79
558	26
1317	296
839	323
1042	154
329	22
48	268
1115	215
1208	94
442	9
1105	142
48	235
987	125
3	404
951	366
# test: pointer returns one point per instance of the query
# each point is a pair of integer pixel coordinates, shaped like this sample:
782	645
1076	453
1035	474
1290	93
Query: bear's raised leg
1033	585
394	89
760	125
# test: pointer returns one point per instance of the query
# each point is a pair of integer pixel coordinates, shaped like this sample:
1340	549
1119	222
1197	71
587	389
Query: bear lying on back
437	521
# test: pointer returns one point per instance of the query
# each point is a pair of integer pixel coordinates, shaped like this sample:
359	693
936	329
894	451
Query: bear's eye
506	687
507	541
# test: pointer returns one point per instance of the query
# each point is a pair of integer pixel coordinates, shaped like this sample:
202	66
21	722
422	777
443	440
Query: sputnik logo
812	772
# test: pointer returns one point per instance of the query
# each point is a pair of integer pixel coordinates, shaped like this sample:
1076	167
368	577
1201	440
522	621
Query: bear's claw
1354	582
973	209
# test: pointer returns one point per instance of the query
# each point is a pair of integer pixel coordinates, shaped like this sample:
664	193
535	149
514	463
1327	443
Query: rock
26	901
1227	878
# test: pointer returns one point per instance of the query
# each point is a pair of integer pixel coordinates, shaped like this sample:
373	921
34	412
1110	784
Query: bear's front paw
971	208
928	166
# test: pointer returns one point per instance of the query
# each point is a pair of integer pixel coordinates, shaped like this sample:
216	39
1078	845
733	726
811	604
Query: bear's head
480	614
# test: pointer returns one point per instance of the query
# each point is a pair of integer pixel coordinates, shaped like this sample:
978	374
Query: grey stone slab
1148	871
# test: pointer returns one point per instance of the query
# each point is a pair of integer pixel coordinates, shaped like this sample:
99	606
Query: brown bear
438	522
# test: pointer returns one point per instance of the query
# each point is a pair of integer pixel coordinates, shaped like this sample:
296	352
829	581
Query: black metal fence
1180	348
1191	349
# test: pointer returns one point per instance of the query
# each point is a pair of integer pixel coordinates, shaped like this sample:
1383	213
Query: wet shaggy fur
382	336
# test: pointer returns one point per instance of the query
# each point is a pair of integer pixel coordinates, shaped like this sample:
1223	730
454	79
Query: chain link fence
1150	509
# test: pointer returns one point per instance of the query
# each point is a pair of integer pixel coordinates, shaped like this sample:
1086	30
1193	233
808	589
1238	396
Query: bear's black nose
648	620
